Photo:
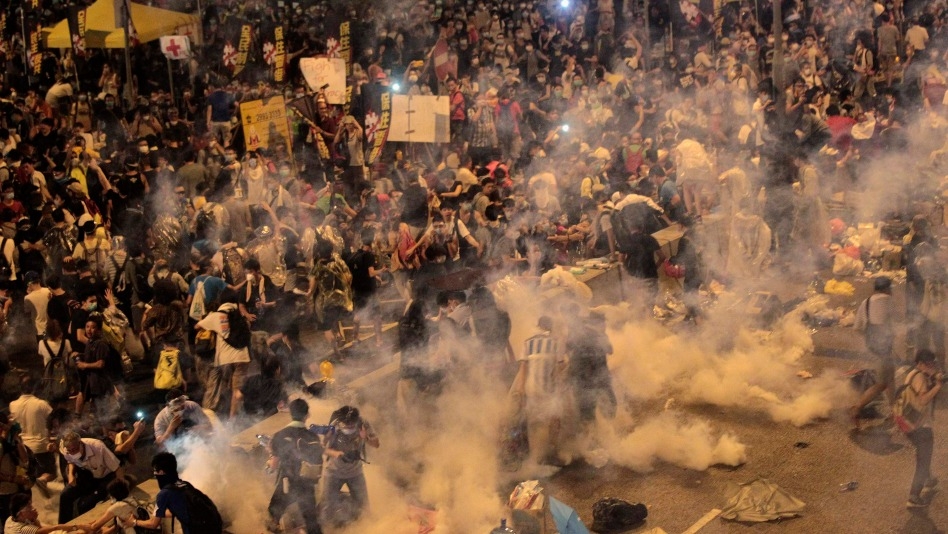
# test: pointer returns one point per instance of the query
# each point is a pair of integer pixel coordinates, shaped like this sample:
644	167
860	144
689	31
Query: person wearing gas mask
181	417
344	454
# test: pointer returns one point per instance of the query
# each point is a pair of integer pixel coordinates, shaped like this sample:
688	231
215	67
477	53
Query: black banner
77	30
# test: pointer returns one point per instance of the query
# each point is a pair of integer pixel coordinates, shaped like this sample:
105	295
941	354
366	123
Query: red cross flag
176	46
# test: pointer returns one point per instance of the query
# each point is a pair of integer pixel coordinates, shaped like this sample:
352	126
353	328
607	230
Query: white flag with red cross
176	46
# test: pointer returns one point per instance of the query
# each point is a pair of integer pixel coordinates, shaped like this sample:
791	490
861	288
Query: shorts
238	374
331	317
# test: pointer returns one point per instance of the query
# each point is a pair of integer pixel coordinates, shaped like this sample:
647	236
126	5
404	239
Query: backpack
5	268
95	262
168	373
238	330
197	311
142	513
59	380
635	216
617	515
233	265
59	244
904	413
114	325
144	290
203	516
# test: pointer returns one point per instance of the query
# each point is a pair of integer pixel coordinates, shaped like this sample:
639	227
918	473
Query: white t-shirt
217	323
122	510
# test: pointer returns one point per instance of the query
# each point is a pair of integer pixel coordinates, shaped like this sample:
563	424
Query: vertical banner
35	36
77	30
345	45
243	49
279	56
377	127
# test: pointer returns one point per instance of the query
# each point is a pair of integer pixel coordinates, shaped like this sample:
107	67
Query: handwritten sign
264	123
321	71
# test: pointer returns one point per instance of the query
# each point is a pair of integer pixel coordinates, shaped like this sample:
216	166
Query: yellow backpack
168	373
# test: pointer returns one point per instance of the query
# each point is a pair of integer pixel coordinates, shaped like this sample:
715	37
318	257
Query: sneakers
916	502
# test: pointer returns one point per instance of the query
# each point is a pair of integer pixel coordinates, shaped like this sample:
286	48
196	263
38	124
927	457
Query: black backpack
5	271
616	515
203	516
239	331
59	379
635	216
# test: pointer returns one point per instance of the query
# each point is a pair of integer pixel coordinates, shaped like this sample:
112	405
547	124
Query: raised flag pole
129	88
170	80
26	43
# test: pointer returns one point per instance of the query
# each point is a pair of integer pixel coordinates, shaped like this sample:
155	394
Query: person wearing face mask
96	365
91	467
172	503
345	452
252	175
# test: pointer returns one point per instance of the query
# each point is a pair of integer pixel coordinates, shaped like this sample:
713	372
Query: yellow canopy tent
104	26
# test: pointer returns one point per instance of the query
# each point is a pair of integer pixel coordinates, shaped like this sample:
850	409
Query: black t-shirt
641	260
359	264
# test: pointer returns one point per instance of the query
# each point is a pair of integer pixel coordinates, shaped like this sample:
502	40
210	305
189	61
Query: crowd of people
577	129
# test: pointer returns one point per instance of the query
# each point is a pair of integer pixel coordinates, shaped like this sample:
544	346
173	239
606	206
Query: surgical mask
92	306
8	196
349	431
229	158
577	83
584	47
413	78
252	163
143	150
72	458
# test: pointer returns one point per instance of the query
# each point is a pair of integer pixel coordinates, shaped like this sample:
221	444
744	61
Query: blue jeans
924	441
332	495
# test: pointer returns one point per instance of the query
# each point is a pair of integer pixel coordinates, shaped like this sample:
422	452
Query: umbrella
566	519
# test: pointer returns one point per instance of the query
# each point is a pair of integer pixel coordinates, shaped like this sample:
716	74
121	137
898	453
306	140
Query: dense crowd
577	130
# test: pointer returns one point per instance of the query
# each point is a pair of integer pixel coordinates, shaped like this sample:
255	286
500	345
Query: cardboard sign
321	71
420	119
264	123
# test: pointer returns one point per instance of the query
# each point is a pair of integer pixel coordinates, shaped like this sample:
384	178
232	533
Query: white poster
322	72
420	119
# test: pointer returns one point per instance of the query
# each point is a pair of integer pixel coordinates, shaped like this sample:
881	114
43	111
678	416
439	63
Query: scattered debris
705	519
849	486
801	444
804	374
761	500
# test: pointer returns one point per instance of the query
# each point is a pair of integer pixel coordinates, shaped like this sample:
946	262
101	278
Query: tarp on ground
104	27
761	500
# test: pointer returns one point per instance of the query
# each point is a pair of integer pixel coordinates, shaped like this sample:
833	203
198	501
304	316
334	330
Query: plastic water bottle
502	529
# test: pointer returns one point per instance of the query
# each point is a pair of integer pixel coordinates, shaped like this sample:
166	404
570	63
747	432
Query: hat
31	277
882	283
